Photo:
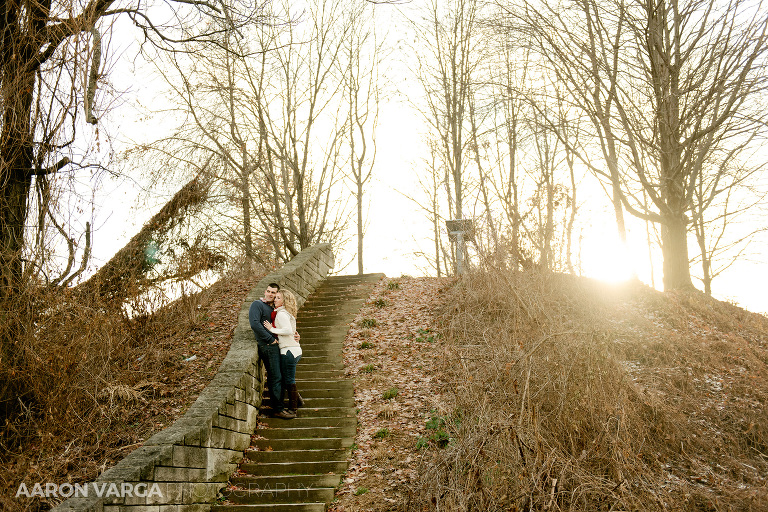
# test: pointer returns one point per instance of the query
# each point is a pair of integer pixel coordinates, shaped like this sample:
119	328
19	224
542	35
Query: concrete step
327	443
327	412
318	403
299	495
310	373
338	393
320	342
329	353
342	411
295	468
309	339
285	481
306	432
334	298
316	364
318	339
313	307
299	462
331	350
323	329
271	507
321	360
311	421
323	320
371	277
267	457
332	304
309	384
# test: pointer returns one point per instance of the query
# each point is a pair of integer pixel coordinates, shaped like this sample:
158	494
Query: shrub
367	323
390	393
427	335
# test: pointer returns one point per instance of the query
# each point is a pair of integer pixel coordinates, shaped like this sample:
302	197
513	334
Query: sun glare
607	259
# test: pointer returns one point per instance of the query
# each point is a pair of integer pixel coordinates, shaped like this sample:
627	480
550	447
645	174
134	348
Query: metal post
460	231
460	253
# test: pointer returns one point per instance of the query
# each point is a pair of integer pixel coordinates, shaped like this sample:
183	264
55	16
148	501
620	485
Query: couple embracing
273	321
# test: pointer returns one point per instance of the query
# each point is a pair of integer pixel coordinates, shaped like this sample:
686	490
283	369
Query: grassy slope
133	379
559	393
538	393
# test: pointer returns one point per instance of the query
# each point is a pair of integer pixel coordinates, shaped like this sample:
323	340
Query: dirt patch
391	351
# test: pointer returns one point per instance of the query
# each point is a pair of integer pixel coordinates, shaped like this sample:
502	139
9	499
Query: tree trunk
15	173
245	197
674	248
15	183
360	225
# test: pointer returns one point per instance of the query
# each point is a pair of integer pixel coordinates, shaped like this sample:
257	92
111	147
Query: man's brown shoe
285	414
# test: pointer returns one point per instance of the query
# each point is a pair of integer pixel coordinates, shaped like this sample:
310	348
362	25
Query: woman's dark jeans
288	368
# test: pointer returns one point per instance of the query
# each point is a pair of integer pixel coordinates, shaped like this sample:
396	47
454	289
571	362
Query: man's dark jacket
259	312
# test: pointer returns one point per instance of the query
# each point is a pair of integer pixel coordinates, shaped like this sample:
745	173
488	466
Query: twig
551	494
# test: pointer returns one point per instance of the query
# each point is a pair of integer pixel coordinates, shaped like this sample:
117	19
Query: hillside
146	371
526	392
496	392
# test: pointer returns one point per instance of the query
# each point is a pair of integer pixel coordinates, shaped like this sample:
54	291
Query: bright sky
396	227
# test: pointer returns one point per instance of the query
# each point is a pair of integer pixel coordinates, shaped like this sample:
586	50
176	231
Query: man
269	350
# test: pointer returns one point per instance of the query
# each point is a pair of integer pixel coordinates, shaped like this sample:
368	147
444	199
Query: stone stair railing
182	468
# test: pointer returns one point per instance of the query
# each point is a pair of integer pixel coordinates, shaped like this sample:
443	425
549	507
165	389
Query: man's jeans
270	356
288	367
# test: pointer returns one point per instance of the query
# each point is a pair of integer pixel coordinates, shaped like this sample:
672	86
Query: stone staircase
295	465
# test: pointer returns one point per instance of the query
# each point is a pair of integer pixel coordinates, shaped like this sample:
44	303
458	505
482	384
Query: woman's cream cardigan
285	326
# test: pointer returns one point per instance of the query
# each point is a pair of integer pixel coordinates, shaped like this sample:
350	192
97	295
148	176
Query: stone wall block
229	439
174	474
89	504
203	492
230	423
200	457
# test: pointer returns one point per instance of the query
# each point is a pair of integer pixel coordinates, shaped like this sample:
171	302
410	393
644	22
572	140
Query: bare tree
431	186
219	140
45	47
508	72
670	88
298	110
262	125
361	91
50	64
454	49
724	224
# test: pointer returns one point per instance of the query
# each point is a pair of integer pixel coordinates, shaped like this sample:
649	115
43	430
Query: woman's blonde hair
289	302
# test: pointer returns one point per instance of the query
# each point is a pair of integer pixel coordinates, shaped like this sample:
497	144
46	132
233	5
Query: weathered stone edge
186	464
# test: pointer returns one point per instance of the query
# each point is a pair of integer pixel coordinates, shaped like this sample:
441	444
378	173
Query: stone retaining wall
182	468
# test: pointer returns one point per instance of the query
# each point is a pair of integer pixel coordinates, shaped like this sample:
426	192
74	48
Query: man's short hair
274	285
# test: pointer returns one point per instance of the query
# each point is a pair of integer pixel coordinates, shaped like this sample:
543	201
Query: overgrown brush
86	374
565	394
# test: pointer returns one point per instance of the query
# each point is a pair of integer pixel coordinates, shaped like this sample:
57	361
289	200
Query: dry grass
565	394
99	383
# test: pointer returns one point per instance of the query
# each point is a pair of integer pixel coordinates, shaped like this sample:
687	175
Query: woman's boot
293	398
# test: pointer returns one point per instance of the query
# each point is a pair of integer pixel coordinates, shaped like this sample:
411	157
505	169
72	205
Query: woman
290	351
